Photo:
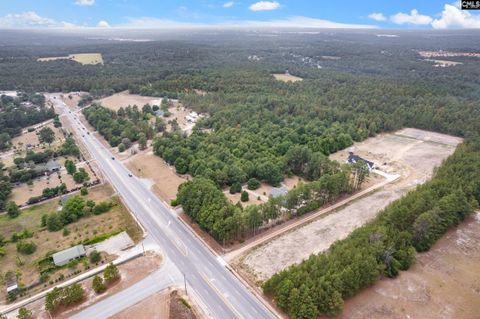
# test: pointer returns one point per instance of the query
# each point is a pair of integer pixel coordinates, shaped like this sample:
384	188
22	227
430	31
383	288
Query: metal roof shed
65	256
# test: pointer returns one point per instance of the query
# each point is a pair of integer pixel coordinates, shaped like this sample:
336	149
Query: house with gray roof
65	256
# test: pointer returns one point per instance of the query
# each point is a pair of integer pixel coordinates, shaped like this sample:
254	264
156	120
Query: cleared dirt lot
443	283
20	142
287	78
124	99
157	173
411	153
82	58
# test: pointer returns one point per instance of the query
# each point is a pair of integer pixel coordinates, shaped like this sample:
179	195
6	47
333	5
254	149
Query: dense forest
19	112
384	246
224	221
125	126
355	85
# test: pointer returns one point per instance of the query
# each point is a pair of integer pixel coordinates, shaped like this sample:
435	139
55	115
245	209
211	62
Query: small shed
11	283
65	256
53	166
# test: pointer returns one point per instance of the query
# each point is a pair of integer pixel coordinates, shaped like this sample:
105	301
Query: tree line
125	126
384	246
215	214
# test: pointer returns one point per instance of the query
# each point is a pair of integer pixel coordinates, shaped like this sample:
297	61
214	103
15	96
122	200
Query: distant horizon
224	14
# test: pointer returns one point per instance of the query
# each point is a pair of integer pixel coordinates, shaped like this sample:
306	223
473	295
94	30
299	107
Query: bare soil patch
82	58
156	306
164	179
124	99
411	153
443	283
287	78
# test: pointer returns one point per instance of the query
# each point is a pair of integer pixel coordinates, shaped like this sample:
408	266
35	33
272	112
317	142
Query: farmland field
82	58
287	78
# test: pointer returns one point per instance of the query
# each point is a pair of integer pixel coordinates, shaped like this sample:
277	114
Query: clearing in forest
448	269
82	58
285	77
411	153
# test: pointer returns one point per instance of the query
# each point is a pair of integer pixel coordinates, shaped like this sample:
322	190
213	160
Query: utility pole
185	283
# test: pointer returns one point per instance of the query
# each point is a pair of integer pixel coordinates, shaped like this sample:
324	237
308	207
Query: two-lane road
222	293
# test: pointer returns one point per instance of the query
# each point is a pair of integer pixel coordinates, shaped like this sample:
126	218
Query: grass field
115	220
287	78
82	58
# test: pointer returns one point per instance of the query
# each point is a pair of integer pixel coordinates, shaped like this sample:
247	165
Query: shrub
95	257
253	184
235	188
26	248
173	202
24	313
84	191
244	196
66	231
12	209
98	285
111	273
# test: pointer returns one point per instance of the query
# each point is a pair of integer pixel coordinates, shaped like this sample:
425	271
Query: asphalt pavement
223	294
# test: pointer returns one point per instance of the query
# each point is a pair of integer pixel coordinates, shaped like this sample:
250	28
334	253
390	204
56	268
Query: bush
66	231
24	313
102	207
173	202
253	184
95	257
12	209
84	191
98	285
26	248
121	147
111	273
235	188
244	196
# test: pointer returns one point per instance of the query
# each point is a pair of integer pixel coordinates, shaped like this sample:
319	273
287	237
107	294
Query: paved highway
222	293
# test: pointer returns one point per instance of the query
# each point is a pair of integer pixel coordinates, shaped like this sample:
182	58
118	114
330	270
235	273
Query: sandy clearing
124	99
443	283
82	58
287	78
156	306
165	180
315	237
21	141
414	159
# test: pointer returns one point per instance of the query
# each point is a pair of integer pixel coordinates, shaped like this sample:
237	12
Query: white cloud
103	24
264	6
413	18
30	19
291	22
453	17
377	16
228	4
85	2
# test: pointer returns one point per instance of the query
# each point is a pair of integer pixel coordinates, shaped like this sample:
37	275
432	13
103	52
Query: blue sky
242	13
